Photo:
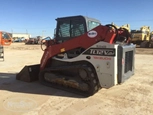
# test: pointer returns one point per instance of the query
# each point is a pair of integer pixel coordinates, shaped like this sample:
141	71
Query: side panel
108	68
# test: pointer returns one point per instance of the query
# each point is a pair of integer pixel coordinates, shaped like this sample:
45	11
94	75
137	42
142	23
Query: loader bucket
29	73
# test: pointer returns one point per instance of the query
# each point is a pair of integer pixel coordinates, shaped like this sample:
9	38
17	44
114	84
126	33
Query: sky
37	17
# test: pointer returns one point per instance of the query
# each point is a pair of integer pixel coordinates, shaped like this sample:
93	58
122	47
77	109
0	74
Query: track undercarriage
80	79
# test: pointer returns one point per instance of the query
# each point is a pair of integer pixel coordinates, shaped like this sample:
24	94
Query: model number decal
92	34
102	58
100	51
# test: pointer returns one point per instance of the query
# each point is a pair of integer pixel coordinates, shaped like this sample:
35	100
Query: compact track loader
83	57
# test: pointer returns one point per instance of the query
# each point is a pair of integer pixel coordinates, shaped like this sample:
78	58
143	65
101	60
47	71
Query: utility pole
26	31
12	31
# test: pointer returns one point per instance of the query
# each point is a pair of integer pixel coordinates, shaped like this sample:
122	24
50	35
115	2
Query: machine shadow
8	82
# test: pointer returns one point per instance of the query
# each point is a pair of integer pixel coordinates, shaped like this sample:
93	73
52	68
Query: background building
21	35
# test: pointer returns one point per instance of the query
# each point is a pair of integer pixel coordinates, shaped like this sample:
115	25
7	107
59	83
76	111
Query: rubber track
92	79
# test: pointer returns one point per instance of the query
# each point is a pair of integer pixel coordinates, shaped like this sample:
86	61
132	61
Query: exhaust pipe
29	73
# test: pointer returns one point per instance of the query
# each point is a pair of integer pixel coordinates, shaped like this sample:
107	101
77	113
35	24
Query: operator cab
70	27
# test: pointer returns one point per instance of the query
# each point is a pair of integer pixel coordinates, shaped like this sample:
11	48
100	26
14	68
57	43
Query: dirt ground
133	97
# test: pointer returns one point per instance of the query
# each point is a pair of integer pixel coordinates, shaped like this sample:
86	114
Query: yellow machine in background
142	37
126	26
151	39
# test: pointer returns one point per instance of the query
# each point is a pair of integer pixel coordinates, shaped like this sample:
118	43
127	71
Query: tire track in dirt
53	106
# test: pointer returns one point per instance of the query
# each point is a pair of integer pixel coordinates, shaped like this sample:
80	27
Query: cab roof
78	17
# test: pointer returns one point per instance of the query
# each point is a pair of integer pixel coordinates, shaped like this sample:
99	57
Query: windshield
92	24
7	36
73	28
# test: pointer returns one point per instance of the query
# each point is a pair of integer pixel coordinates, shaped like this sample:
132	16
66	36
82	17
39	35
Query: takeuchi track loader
83	57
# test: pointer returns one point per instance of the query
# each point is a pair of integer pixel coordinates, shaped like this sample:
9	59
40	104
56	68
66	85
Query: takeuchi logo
92	33
18	104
